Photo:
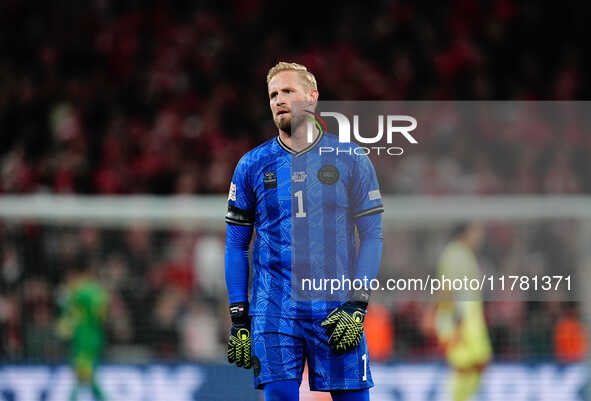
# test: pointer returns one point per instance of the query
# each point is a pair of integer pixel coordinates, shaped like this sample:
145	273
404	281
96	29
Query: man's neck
298	141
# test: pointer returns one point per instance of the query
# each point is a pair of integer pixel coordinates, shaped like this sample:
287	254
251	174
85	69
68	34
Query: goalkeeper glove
239	343
344	326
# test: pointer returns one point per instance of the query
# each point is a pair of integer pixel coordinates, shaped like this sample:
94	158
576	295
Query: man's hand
239	342
344	326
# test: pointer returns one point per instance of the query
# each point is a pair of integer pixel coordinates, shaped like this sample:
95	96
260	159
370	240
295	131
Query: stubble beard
284	124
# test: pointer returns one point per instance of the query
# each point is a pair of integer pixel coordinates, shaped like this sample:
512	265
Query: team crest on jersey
299	176
328	174
270	179
232	192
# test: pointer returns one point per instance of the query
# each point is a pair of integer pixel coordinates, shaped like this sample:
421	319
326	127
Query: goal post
163	211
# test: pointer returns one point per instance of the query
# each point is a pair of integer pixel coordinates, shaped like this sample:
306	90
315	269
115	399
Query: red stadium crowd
163	98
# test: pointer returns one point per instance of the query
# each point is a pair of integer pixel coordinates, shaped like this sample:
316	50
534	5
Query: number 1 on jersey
364	357
300	212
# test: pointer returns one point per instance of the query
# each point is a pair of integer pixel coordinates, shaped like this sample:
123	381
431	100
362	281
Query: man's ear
314	94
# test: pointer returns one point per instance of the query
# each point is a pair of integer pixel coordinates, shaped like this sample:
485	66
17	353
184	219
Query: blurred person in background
570	336
165	317
460	325
209	265
39	337
200	332
379	331
82	323
11	317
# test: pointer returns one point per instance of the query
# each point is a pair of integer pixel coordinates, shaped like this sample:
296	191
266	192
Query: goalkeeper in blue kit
305	206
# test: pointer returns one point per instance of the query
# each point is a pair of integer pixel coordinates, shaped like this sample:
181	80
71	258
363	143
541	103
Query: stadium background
162	98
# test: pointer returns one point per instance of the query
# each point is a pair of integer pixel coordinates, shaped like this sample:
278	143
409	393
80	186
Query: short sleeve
364	188
241	199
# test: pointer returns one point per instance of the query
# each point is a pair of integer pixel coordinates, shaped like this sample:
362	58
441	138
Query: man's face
284	88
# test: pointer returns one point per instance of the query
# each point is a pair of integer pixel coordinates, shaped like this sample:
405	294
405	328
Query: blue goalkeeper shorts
281	346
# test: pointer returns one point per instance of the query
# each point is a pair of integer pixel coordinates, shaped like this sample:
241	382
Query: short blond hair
307	77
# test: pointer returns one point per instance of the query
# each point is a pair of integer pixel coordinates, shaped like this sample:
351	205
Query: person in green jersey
460	324
82	323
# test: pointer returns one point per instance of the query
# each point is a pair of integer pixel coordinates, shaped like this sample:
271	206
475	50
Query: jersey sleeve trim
239	216
373	210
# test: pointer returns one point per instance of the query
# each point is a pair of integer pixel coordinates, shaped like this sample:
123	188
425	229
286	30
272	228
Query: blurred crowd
166	290
168	298
163	97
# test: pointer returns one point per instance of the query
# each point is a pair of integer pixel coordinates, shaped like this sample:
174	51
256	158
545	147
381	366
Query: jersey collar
301	152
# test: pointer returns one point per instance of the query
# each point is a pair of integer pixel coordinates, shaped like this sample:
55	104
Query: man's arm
370	246
66	322
240	218
344	325
237	242
367	209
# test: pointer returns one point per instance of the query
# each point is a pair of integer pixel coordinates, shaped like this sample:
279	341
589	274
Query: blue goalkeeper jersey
303	206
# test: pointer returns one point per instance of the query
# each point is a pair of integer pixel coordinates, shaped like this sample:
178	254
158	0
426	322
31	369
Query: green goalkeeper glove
344	326
239	346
